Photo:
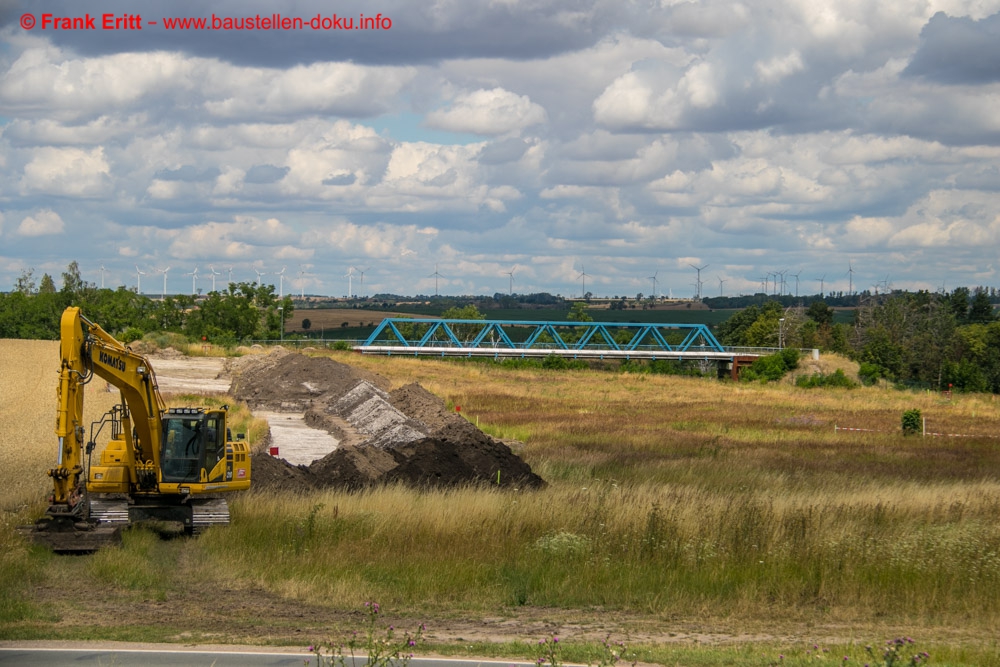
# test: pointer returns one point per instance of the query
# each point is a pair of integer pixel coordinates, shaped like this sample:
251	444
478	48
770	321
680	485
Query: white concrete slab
297	442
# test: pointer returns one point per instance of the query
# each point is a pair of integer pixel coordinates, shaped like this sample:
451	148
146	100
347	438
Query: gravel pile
405	436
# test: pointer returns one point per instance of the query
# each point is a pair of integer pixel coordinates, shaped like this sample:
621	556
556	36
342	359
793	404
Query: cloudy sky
469	138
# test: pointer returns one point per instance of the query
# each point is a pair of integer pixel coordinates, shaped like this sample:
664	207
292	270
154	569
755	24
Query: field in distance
707	522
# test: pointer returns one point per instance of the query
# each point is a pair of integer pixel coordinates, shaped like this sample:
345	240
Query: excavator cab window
184	445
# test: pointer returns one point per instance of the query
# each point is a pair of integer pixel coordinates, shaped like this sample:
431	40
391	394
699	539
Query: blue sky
625	139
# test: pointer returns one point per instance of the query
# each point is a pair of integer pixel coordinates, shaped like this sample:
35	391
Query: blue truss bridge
575	340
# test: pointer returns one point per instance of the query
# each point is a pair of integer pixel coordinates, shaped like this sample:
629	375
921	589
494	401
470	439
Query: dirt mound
292	382
404	436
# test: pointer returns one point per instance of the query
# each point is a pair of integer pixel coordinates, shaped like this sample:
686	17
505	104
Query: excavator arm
86	351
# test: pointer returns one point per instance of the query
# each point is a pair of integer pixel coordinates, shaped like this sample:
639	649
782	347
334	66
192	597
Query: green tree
464	332
579	313
959	302
981	311
25	282
47	286
820	313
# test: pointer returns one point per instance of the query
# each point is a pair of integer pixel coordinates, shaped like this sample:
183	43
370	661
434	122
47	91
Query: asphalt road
161	657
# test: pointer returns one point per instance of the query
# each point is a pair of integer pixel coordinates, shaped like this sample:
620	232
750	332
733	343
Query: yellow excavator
168	467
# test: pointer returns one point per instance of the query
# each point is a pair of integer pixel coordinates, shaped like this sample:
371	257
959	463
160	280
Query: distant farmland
330	321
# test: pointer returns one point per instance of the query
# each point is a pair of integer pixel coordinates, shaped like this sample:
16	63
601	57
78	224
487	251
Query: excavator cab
194	442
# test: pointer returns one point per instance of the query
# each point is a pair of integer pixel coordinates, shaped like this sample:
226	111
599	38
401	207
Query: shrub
835	379
130	335
912	422
870	373
767	369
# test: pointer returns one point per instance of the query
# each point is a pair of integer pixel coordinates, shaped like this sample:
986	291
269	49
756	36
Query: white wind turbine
511	274
435	276
350	281
138	279
214	273
281	282
102	270
302	281
194	278
230	269
163	295
259	274
361	289
653	278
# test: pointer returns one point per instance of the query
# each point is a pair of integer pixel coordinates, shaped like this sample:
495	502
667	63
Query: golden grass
30	371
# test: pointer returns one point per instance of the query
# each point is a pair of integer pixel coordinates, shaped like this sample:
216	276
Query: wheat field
29	372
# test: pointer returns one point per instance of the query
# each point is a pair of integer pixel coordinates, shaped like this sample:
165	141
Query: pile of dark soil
406	436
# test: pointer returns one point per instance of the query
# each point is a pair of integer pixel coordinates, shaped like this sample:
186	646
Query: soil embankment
404	436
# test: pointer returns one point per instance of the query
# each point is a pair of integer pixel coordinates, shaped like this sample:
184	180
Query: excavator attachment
66	536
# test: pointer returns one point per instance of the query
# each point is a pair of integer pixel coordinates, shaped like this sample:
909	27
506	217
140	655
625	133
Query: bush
835	379
130	335
790	356
870	373
912	422
766	369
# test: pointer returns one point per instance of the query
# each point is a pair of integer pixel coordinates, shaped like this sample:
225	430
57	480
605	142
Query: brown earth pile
405	436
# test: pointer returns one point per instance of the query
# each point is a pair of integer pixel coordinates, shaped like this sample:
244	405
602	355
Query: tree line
914	339
242	312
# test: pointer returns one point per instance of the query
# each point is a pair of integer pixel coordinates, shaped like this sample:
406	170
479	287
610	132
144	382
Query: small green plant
342	345
834	379
548	652
611	653
912	422
378	647
898	652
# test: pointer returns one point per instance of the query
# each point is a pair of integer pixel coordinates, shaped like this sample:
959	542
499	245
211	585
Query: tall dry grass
669	496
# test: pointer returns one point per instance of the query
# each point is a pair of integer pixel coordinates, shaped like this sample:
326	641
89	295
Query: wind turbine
138	279
164	272
194	277
361	288
102	270
781	274
214	273
699	269
302	282
821	280
230	269
511	274
721	281
435	276
653	278
350	281
281	283
583	284
850	283
259	274
796	276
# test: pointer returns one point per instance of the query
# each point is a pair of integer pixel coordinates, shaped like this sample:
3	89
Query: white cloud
44	223
778	68
66	171
488	112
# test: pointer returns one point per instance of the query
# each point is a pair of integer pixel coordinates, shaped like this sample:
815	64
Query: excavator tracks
207	513
112	511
